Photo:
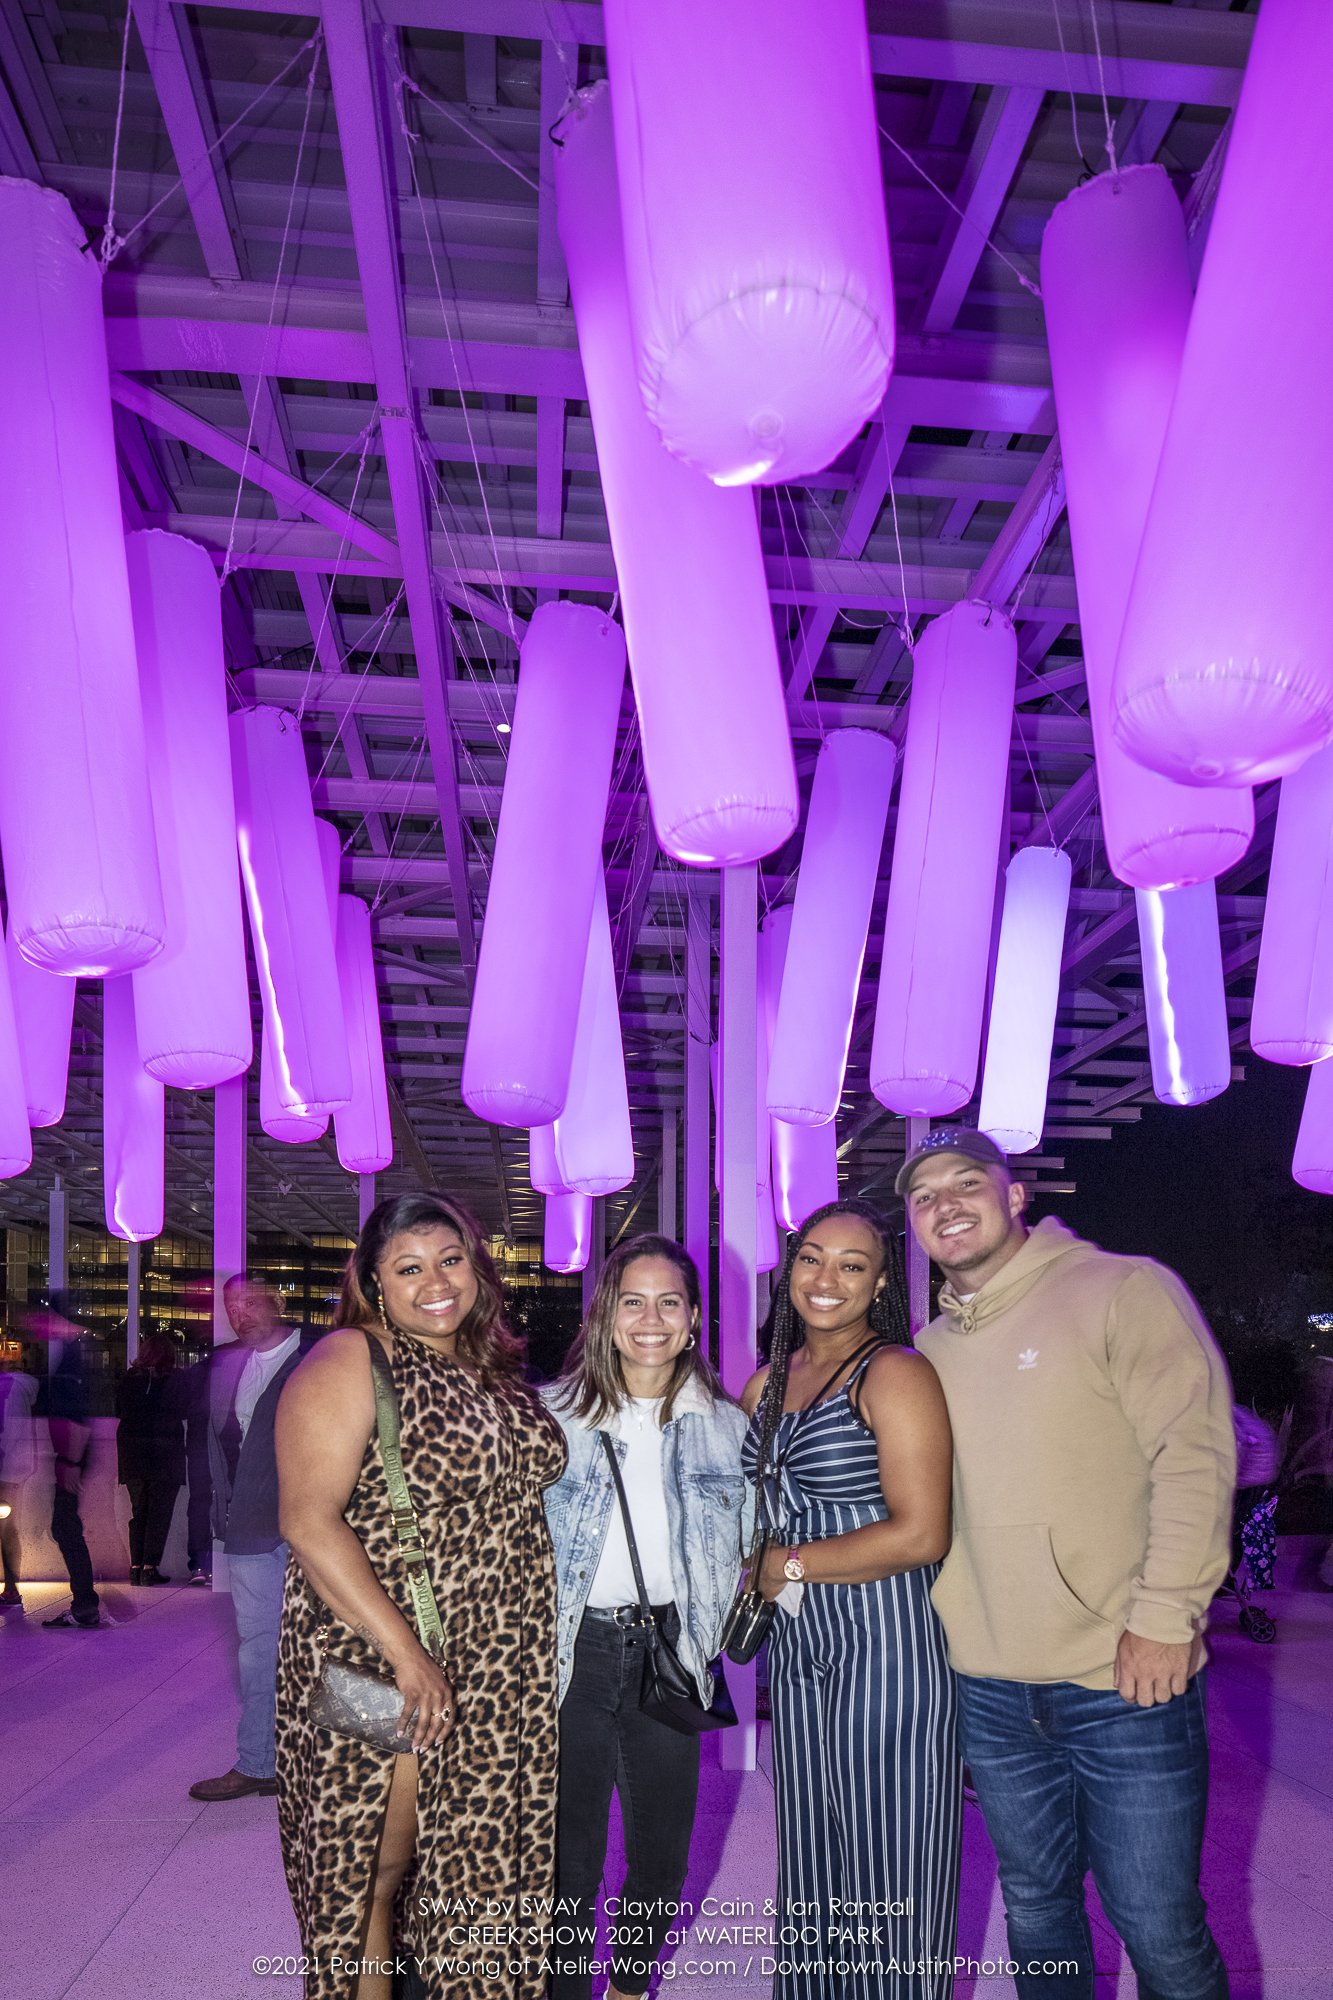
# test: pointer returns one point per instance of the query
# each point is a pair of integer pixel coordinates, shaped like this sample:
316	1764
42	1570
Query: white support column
666	1180
738	1228
57	1257
918	1264
229	1195
365	1198
698	1089
133	1287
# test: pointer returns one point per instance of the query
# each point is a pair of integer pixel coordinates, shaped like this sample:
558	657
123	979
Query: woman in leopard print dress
397	1857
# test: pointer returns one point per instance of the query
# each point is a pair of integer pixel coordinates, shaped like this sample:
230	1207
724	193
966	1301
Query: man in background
245	1380
1094	1461
63	1400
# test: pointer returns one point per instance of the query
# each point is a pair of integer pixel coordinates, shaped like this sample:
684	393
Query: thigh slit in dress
475	1461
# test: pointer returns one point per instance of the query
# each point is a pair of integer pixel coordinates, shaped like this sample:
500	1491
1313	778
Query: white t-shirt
257	1373
636	1424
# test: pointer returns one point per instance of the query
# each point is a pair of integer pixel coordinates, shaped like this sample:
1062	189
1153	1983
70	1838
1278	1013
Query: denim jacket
709	1515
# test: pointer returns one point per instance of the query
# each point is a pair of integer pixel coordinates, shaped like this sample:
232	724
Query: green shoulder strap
400	1500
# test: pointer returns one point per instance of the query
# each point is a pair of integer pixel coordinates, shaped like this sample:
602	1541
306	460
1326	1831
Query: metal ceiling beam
177	422
1005	128
1194	60
532	562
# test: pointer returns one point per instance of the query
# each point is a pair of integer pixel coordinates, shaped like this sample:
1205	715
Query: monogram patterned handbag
356	1701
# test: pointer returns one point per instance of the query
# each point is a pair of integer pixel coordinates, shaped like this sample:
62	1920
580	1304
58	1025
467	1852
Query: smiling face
967	1217
427	1282
653	1324
838	1271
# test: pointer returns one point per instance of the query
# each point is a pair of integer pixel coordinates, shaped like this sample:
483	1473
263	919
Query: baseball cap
962	1139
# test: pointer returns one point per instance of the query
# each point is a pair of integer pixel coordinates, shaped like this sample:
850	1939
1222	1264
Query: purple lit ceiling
381	316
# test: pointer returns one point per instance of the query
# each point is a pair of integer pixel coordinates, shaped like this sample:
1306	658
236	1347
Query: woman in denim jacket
637	1371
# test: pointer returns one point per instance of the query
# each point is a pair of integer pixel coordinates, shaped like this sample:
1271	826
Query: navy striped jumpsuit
865	1758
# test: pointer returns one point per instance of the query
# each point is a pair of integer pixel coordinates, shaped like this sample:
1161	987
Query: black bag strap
780	1458
645	1610
406	1526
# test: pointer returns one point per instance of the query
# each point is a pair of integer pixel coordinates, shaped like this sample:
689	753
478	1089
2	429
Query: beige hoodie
1094	1462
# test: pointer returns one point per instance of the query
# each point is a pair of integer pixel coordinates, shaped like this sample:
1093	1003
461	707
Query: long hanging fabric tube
844	835
363	1129
804	1158
133	1124
755	241
15	1133
1291	1020
44	1019
290	923
76	821
594	1146
703	655
1115	280
192	1004
287	1122
567	1235
548	860
1312	1163
1184	993
544	1172
951	803
1026	992
1225	674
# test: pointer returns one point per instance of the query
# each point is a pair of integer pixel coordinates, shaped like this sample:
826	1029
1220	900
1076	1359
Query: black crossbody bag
751	1614
668	1693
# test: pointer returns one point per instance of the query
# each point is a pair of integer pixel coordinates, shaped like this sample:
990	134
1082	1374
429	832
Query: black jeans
154	1503
67	1534
606	1742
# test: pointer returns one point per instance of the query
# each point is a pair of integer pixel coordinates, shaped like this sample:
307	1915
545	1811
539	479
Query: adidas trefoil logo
1028	1358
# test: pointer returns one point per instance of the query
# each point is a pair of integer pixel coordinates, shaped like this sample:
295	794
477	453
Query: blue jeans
1072	1779
256	1596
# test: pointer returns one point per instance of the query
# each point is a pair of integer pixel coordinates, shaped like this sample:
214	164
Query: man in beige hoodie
1093	1470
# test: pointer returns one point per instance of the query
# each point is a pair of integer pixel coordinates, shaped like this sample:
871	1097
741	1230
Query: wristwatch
794	1569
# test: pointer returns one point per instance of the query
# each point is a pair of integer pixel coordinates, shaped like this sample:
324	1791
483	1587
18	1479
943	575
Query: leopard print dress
475	1461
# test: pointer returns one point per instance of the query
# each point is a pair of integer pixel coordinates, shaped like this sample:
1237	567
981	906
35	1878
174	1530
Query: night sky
1207	1190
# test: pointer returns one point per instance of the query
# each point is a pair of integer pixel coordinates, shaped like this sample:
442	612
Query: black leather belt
628	1614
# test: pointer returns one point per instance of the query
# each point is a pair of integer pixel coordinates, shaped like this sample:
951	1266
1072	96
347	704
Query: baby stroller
1254	1531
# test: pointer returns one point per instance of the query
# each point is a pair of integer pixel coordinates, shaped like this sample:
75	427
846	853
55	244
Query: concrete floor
117	1884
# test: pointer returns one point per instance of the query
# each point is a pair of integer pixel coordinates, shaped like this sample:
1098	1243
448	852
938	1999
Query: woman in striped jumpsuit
850	1439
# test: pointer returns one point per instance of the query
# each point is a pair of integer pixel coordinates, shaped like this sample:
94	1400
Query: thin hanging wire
1028	284
327	610
413	140
1101	79
446	111
110	240
1069	85
119	241
383	623
227	562
393	838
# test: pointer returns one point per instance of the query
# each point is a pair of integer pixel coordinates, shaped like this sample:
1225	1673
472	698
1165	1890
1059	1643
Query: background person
150	1450
245	1381
1093	1471
18	1462
865	1760
63	1400
472	1813
637	1372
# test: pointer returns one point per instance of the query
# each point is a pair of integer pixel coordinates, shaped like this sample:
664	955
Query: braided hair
888	1316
